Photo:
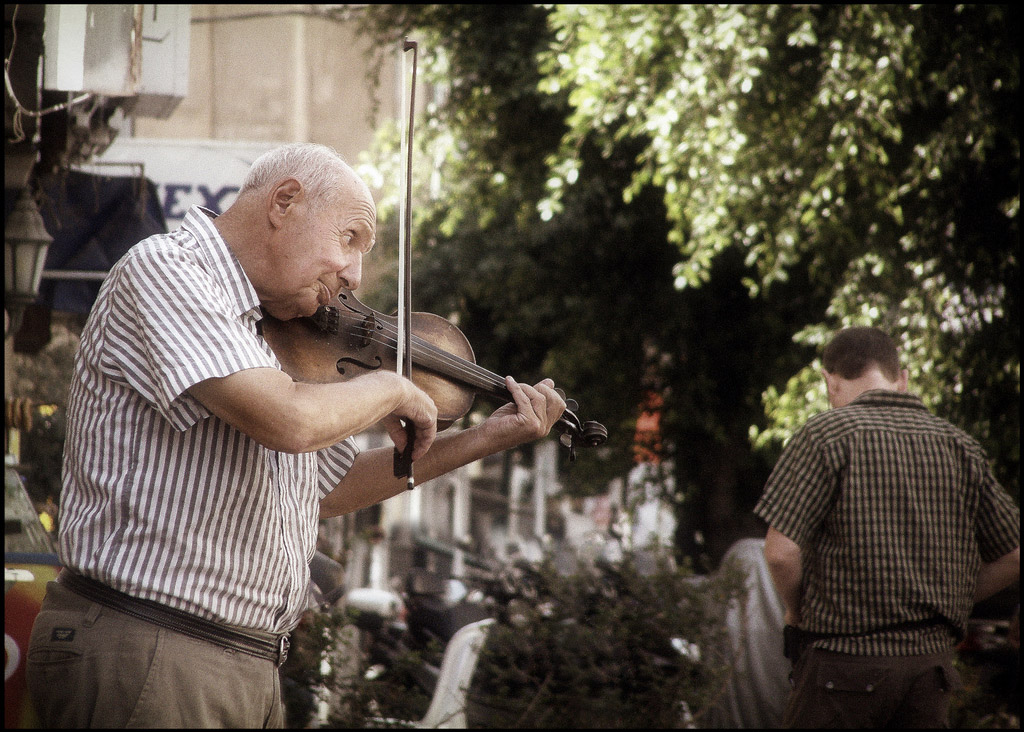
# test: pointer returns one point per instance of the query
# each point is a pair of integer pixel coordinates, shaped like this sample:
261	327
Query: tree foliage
690	198
875	146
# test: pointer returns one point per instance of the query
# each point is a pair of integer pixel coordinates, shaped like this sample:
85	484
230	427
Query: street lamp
25	244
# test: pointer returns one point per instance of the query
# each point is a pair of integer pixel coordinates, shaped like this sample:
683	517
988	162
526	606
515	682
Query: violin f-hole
373	366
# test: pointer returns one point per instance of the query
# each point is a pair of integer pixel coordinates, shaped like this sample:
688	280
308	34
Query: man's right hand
419	413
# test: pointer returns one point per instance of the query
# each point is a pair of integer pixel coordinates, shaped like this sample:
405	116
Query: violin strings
459	366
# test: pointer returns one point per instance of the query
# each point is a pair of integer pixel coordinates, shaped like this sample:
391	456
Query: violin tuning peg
594	433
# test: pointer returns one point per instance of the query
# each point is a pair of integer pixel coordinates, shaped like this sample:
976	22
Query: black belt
922	624
794	640
262	645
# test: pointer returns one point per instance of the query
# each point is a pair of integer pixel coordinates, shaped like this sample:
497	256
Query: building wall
271	73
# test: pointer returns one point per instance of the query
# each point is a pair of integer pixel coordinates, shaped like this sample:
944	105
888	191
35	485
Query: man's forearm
786	568
371	479
997	575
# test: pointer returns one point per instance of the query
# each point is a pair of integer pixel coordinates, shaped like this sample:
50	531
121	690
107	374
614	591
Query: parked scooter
405	638
413	653
438	608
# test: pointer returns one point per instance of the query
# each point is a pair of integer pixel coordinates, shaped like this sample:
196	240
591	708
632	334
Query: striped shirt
161	499
894	510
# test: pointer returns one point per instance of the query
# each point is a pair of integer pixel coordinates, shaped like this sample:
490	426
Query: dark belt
795	640
262	645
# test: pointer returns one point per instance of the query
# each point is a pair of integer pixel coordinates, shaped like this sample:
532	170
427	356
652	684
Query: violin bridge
362	336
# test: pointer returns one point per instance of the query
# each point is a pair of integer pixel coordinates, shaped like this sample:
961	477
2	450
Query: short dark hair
853	350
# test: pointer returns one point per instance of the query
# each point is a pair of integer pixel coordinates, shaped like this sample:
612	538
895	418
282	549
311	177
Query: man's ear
832	387
282	197
901	383
829	381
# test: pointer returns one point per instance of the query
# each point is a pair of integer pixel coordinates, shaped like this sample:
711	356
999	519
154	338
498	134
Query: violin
345	339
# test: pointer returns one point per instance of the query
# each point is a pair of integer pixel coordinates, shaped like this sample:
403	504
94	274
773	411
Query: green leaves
627	170
823	137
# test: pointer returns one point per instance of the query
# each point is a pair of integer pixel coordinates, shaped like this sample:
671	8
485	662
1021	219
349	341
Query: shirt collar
889	398
199	222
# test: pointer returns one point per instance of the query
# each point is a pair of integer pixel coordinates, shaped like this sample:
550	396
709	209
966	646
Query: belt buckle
283	645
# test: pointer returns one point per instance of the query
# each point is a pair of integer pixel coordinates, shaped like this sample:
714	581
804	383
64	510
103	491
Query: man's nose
352	274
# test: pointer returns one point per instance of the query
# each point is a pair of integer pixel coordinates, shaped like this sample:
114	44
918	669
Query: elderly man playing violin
196	469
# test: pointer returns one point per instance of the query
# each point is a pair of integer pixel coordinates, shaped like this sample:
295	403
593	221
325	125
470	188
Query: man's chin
294	311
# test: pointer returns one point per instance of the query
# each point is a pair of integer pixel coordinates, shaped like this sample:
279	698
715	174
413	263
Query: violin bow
403	461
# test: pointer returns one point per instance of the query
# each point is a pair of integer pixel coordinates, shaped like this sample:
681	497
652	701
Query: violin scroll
592	434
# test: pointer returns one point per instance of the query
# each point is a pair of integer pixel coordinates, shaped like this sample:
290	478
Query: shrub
608	646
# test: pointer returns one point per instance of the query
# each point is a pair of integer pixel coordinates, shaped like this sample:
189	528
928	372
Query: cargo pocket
850	679
850	694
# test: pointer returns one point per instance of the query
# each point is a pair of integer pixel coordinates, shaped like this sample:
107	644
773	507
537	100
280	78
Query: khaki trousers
91	666
842	691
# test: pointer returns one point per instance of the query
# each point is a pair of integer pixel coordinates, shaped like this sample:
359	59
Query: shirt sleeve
800	489
998	527
333	463
172	326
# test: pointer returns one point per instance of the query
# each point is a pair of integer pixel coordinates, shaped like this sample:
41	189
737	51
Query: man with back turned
886	525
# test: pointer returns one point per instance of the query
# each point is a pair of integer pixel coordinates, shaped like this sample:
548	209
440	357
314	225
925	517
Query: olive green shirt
894	511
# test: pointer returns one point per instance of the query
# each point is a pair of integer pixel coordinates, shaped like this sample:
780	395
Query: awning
93	220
